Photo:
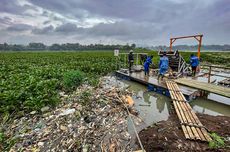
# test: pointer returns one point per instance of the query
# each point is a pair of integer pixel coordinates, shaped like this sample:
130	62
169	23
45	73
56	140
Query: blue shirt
164	62
194	61
148	62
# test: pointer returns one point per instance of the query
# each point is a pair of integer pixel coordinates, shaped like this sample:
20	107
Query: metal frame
136	54
197	37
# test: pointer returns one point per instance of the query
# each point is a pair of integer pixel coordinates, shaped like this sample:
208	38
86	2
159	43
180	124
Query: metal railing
123	59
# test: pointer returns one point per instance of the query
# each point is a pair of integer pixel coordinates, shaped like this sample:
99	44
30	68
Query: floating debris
87	120
145	105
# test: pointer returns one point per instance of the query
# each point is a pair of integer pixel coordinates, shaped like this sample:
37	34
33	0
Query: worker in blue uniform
194	62
163	65
147	63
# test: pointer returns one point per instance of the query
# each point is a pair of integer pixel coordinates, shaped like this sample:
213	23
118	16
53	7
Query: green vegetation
217	142
73	79
31	80
1	137
6	143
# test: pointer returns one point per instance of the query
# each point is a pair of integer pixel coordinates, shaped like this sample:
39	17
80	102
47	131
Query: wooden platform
223	91
191	125
155	85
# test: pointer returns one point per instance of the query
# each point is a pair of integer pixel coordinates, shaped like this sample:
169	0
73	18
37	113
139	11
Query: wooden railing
211	68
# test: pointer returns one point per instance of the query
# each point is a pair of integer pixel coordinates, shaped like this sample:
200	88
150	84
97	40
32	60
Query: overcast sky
145	22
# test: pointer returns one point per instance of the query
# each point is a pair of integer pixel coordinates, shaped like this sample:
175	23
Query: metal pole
209	74
200	41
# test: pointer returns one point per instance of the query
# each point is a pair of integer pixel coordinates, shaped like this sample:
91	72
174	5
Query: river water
154	107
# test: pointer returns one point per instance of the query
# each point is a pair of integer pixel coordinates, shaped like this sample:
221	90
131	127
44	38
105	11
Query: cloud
124	30
67	28
45	30
19	27
5	21
11	6
147	22
46	22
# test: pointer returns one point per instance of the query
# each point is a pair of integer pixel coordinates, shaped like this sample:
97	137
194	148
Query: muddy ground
168	135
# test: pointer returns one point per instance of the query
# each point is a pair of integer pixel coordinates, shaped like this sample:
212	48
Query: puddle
210	107
152	107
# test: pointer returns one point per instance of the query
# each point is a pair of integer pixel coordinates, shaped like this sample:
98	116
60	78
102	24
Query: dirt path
168	136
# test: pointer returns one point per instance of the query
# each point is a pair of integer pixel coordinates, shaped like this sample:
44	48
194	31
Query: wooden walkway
140	77
191	125
223	91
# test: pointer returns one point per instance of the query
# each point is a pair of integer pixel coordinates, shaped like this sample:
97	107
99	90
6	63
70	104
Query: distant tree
55	47
133	46
36	46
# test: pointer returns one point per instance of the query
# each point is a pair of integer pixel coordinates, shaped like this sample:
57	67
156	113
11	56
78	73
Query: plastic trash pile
87	120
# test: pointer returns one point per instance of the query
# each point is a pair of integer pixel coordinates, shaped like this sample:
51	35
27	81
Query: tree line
63	47
225	47
79	47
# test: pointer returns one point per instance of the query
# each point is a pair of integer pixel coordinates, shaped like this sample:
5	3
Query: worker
147	63
194	62
130	59
163	65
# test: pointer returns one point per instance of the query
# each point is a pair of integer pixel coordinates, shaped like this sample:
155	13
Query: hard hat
131	51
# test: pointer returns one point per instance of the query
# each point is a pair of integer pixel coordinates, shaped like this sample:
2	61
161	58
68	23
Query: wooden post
209	74
171	45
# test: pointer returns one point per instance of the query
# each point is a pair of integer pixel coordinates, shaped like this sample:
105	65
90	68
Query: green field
31	80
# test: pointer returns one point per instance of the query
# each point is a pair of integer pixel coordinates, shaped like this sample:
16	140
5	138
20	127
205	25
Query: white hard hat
130	51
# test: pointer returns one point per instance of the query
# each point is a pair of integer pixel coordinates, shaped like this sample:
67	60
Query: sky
144	22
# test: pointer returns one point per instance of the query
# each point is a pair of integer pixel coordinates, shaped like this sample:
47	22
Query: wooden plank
223	91
194	116
173	95
183	120
189	113
195	133
185	113
181	98
190	132
200	134
174	86
180	92
178	113
196	119
181	112
205	133
177	97
185	132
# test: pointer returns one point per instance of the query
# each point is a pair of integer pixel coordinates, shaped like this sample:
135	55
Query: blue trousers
163	71
146	69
